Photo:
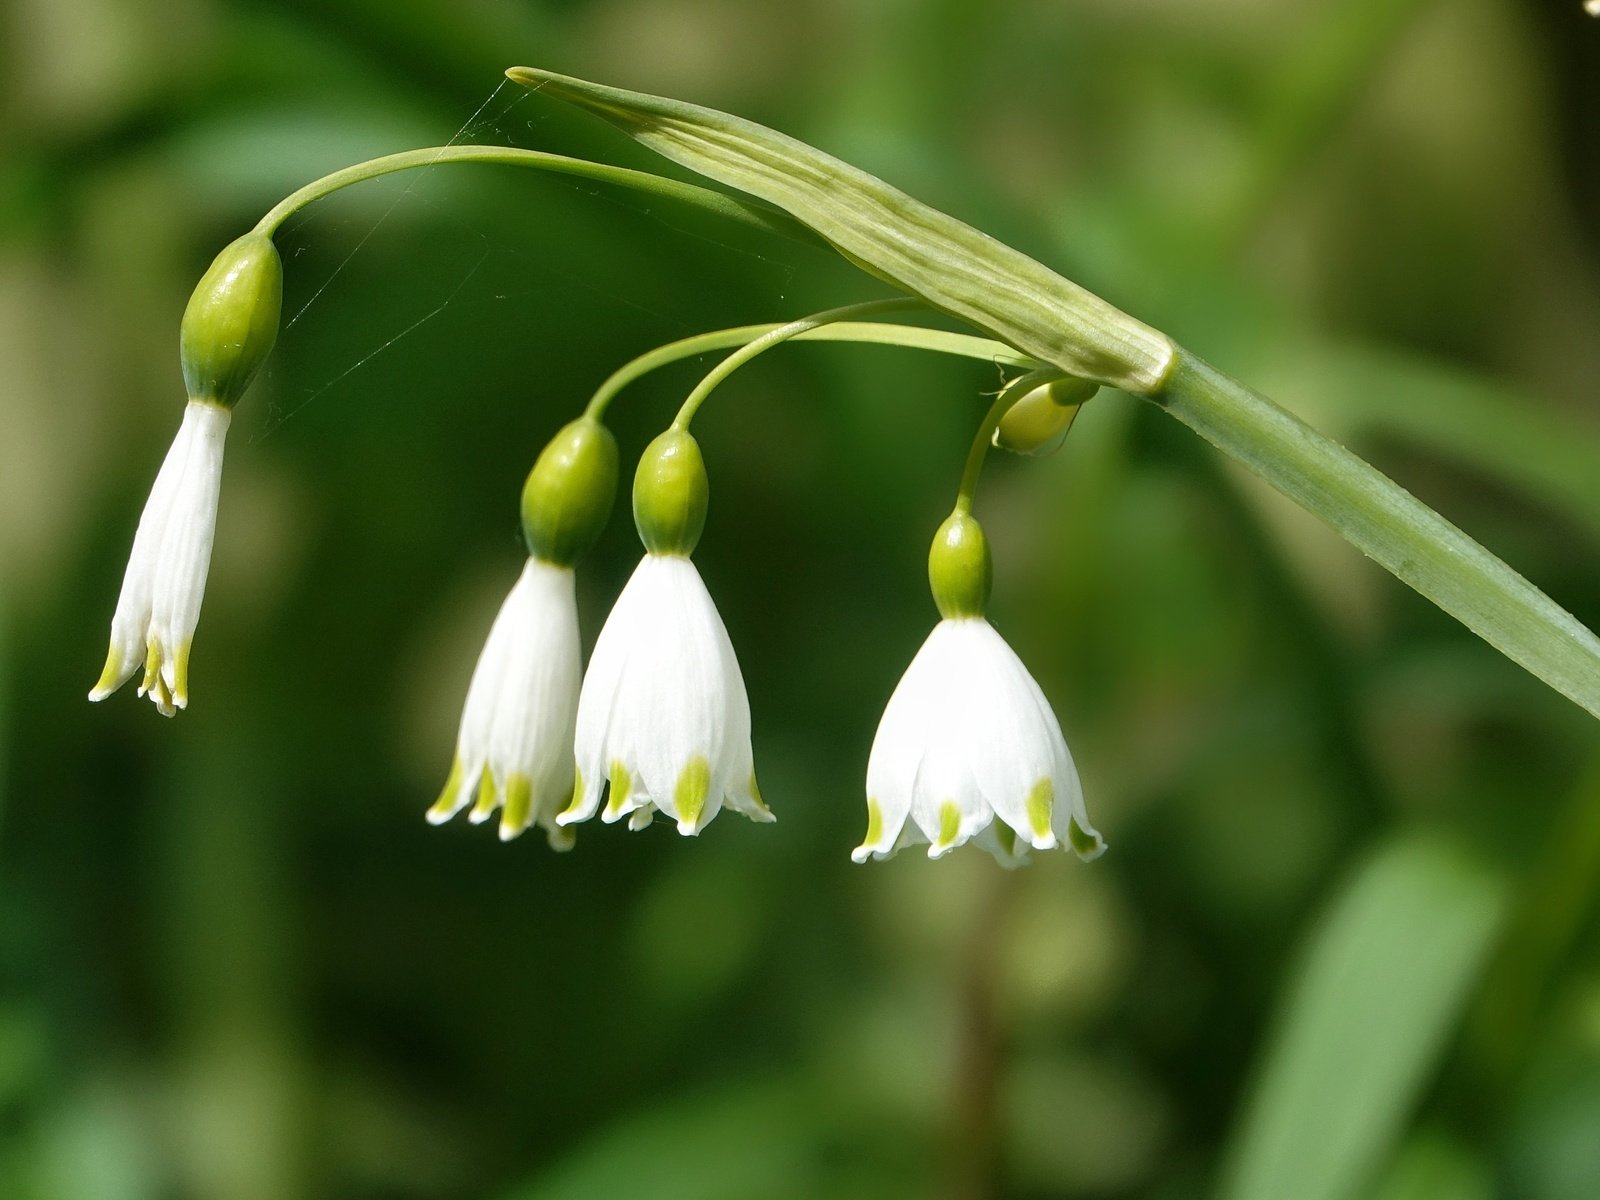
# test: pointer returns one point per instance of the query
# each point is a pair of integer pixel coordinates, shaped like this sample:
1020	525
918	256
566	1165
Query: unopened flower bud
1038	423
959	569
670	493
232	320
569	492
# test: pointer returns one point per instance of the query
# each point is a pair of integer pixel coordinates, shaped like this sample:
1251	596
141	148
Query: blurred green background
1345	942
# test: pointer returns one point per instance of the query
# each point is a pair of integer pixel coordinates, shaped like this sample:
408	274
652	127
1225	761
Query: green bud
569	492
670	493
1038	423
959	569
232	320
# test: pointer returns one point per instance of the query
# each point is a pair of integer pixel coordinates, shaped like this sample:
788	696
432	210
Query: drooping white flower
969	749
514	749
159	606
228	329
663	717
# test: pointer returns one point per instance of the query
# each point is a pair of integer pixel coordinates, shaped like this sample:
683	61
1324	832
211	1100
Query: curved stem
979	449
746	212
909	337
776	337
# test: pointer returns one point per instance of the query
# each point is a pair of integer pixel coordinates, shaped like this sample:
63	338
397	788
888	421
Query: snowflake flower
968	748
968	737
159	605
228	329
663	718
514	749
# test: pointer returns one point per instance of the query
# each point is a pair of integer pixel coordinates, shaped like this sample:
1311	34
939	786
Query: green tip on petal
575	805
180	676
1039	805
758	805
518	810
153	685
446	805
112	676
949	828
959	569
487	800
689	797
1086	844
621	791
874	823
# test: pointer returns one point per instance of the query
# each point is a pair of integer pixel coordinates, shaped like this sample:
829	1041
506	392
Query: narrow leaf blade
1391	526
1386	973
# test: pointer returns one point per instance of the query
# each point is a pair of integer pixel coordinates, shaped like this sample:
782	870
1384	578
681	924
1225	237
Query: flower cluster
661	720
968	748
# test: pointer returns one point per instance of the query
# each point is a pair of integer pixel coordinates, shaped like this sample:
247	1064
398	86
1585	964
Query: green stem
979	450
776	337
1389	525
910	337
746	212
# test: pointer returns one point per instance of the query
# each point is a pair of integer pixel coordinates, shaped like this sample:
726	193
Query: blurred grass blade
731	1145
1386	972
1493	427
1390	526
1432	1166
947	262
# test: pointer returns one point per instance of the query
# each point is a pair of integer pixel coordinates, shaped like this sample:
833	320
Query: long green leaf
745	1141
1390	525
968	273
1431	1166
1385	975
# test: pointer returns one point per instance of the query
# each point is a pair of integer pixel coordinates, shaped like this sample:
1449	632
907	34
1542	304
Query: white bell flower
967	738
514	749
663	716
159	606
